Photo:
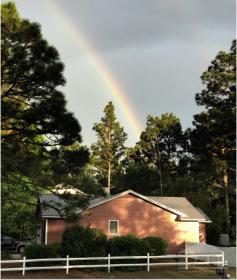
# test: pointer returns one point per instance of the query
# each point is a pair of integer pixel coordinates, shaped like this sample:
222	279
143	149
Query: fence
230	255
186	261
203	248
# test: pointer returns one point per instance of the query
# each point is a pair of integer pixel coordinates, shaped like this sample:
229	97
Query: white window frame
114	234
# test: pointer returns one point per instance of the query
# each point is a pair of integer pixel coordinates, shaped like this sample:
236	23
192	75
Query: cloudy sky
145	56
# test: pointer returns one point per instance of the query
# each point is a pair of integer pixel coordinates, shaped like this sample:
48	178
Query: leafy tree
213	137
109	148
161	146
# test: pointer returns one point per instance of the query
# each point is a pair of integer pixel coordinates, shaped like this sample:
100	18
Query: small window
113	227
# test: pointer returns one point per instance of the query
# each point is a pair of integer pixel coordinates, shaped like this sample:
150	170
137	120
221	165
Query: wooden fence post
148	262
223	258
67	264
108	263
24	266
186	259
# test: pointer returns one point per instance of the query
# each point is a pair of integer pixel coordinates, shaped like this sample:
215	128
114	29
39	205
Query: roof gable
98	202
179	206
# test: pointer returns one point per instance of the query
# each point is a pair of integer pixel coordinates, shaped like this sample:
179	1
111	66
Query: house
172	218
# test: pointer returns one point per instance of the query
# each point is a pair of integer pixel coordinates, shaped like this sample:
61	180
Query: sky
144	56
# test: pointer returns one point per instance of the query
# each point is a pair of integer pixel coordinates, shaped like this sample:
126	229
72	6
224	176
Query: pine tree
109	148
213	140
160	146
34	118
30	74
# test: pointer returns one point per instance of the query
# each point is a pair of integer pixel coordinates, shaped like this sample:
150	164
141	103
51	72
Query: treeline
41	141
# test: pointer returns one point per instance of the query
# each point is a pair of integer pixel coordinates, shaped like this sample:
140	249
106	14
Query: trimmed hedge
81	241
127	245
42	251
158	246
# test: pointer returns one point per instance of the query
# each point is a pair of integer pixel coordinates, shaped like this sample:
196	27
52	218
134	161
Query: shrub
213	233
128	245
158	246
42	251
81	241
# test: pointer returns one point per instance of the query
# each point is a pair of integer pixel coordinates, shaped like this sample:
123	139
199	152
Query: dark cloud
156	50
114	24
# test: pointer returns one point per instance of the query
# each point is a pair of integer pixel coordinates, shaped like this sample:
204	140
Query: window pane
113	227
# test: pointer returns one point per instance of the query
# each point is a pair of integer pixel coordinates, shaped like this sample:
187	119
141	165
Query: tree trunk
225	180
161	180
225	183
109	165
109	177
160	172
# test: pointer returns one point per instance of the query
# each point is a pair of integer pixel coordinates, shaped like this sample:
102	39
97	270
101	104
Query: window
113	227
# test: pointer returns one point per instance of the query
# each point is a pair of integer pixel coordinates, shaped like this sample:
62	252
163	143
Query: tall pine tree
109	148
160	146
213	139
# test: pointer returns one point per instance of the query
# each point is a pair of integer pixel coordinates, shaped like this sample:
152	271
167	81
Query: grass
155	273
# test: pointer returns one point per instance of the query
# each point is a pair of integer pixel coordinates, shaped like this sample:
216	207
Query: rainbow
105	74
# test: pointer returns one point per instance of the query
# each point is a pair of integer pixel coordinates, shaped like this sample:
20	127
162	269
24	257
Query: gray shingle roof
179	204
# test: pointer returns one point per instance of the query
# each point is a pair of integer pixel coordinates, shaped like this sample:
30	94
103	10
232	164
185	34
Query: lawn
155	273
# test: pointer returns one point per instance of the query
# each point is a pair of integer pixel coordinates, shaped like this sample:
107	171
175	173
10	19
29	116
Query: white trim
113	234
140	196
46	232
194	220
53	217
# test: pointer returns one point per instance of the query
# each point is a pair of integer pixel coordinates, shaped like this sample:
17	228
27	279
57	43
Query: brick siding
202	233
135	216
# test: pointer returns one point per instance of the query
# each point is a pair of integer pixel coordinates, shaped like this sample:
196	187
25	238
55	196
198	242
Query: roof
183	205
50	203
176	205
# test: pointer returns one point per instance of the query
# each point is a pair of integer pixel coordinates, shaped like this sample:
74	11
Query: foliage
20	223
107	151
213	137
158	246
37	129
127	245
81	241
213	234
28	62
42	251
138	177
161	145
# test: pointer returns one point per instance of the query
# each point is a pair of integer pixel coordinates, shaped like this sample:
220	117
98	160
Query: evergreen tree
213	137
36	127
31	72
160	146
109	148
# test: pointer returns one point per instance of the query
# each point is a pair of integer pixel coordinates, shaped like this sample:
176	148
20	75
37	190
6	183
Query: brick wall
135	216
202	233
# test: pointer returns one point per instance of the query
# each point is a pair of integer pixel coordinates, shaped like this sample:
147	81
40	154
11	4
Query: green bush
158	246
81	241
127	245
42	251
213	231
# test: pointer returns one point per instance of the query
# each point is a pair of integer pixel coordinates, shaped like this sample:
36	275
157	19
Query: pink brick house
172	218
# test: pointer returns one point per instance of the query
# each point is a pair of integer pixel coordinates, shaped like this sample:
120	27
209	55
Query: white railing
186	261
